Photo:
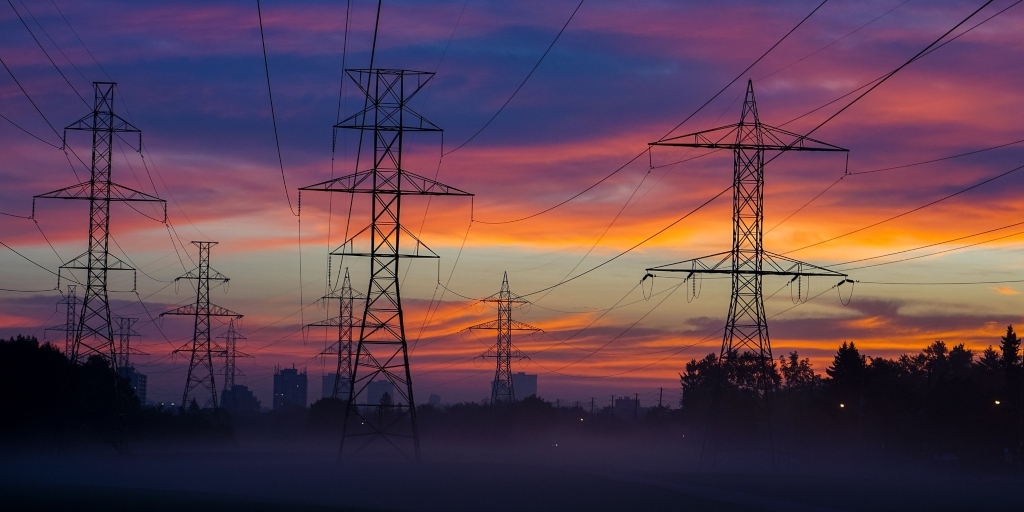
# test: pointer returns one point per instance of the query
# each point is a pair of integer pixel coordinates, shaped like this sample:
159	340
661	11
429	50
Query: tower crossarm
389	92
389	180
725	137
514	353
190	310
721	263
111	121
513	326
330	322
350	248
509	297
82	262
195	274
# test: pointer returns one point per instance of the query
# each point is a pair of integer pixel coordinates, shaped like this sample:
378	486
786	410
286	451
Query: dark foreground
601	475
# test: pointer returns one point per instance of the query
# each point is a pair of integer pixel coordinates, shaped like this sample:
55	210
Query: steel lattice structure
746	328
502	391
201	349
345	296
125	331
94	332
70	302
382	352
231	353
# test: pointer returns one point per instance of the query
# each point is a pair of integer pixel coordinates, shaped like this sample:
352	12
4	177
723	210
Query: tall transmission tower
342	348
382	351
70	302
231	353
201	349
746	328
125	331
502	390
94	333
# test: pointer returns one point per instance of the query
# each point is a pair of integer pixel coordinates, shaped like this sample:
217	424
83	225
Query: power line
908	212
55	66
950	157
646	150
638	244
877	81
273	115
957	239
947	283
528	75
30	134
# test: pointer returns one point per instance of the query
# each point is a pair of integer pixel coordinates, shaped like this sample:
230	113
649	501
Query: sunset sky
191	76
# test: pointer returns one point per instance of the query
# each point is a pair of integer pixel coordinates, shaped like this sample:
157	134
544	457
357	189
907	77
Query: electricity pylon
70	302
231	353
382	351
201	350
125	331
502	391
94	333
343	346
746	328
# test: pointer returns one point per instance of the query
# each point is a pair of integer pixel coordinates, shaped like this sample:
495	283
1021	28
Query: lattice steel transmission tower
70	302
94	333
125	331
746	328
231	353
345	296
201	349
382	351
502	390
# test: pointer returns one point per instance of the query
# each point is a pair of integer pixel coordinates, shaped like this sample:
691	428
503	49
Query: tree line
943	402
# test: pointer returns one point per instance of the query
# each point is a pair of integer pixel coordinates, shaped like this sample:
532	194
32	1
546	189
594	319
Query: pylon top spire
749	106
505	294
738	136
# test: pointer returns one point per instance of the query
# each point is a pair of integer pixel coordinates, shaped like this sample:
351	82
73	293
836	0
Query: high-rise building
239	400
136	381
289	388
524	385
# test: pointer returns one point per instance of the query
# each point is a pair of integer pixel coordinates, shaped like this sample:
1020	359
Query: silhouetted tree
797	373
990	360
847	373
1009	346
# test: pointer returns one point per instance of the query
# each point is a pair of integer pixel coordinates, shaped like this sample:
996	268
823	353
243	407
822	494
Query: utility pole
94	333
201	350
502	392
343	346
636	406
746	328
591	406
661	393
382	351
